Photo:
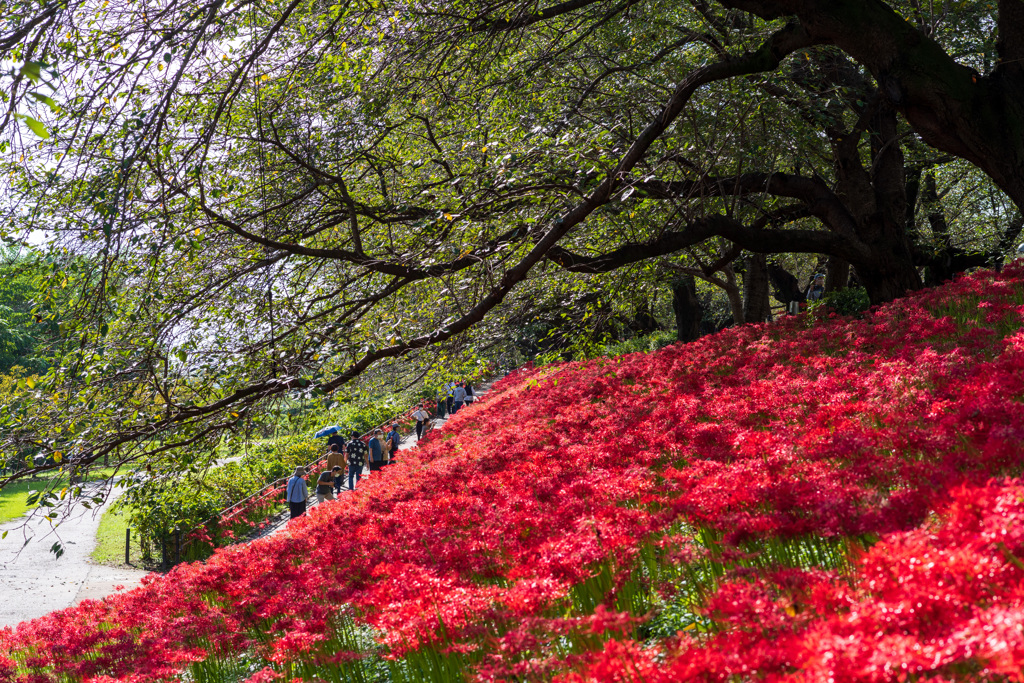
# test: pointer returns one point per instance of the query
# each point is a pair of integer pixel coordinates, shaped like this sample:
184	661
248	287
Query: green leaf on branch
48	101
37	127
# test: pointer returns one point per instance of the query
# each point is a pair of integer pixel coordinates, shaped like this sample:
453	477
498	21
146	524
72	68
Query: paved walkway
34	581
279	521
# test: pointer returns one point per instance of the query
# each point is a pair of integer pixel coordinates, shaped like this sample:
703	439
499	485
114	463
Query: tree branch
819	199
752	238
528	18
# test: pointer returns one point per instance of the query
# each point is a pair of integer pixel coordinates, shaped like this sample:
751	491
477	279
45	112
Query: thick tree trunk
732	291
888	277
687	308
940	268
786	286
756	306
978	117
837	274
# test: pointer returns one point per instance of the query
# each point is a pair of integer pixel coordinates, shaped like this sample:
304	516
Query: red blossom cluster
942	602
518	539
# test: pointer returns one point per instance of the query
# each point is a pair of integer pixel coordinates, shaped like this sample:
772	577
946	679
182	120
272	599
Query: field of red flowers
814	499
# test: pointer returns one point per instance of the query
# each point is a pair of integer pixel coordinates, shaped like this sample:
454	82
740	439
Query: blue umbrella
327	431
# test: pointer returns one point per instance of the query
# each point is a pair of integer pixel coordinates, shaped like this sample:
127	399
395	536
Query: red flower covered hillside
828	500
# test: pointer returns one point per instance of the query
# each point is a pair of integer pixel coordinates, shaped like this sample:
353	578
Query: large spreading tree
263	198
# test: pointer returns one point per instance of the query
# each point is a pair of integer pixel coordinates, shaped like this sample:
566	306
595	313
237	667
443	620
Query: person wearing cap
817	289
297	493
355	449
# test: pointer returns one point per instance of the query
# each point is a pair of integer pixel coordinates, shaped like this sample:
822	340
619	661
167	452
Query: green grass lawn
14	496
110	541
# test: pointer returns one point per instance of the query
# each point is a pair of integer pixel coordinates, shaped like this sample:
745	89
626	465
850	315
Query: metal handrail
310	466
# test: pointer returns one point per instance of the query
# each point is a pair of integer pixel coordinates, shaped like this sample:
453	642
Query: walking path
35	582
279	521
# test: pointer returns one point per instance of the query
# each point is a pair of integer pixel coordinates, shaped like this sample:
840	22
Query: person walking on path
441	403
297	493
335	461
394	440
376	451
470	395
458	397
421	416
336	439
450	392
356	451
325	485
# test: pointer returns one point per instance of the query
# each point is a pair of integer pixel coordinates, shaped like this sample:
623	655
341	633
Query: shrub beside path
35	582
280	521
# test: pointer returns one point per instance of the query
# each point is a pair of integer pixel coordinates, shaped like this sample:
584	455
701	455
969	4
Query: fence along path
279	521
37	583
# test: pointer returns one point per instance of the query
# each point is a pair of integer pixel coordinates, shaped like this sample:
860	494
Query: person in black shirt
356	451
325	486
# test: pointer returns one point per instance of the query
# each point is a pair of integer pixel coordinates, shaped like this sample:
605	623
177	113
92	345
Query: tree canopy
246	200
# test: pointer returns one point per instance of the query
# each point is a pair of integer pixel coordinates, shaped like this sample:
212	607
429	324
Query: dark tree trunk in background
687	308
756	306
939	269
977	117
837	274
785	286
644	323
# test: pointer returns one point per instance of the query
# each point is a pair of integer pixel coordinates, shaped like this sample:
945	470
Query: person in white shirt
421	416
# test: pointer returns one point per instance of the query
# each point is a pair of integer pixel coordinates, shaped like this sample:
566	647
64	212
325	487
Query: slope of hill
812	499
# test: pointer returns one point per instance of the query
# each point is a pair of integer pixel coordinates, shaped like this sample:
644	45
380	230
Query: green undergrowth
665	590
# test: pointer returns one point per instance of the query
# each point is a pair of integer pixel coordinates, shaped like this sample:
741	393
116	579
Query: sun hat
300	471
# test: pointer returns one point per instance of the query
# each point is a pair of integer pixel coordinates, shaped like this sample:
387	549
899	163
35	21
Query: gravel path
35	582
